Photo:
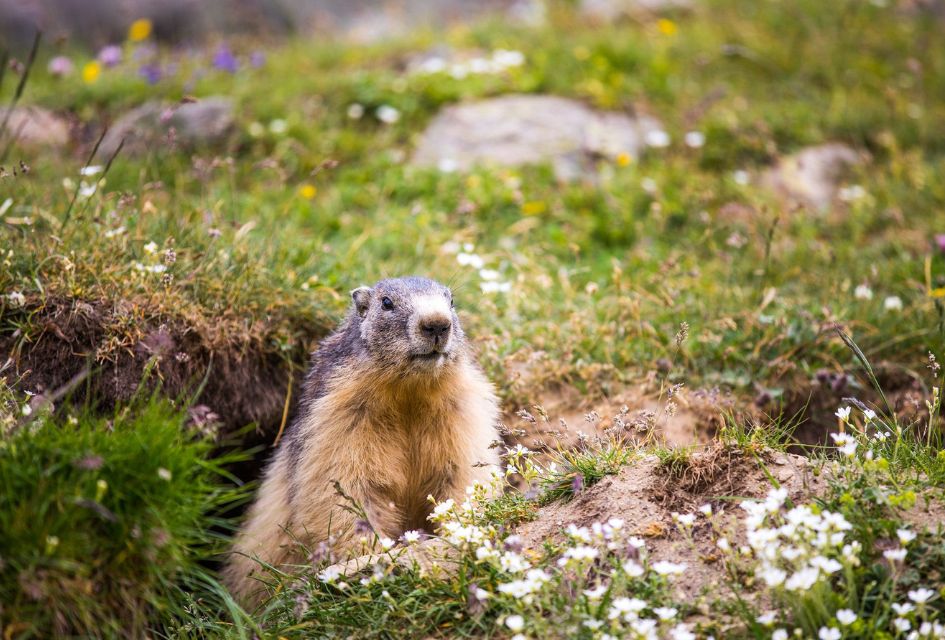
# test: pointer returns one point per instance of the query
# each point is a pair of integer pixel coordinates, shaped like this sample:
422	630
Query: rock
607	10
95	22
376	20
812	175
517	130
35	128
205	123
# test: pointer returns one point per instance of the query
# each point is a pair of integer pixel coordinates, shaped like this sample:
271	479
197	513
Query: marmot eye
387	303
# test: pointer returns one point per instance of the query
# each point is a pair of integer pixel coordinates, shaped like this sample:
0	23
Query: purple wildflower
257	59
940	241
150	72
110	56
224	60
60	66
144	51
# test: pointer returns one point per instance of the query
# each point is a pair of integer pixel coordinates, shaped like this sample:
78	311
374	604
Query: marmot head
409	325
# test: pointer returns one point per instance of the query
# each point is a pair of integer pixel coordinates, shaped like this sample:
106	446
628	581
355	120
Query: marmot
394	409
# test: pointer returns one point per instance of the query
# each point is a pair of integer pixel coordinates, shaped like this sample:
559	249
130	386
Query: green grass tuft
104	524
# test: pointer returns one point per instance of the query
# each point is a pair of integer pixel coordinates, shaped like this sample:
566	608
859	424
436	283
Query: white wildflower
863	292
164	474
892	303
665	613
355	111
87	190
802	580
681	632
387	114
495	287
515	622
902	625
632	569
695	139
624	606
636	542
657	138
596	593
665	568
844	414
773	576
846	617
921	596
829	633
895	555
489	274
767	618
90	170
903	609
470	260
905	536
16	298
684	520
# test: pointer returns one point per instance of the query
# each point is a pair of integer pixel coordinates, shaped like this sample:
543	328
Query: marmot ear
362	299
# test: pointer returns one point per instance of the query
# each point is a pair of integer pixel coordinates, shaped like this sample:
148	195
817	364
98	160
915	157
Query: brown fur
390	440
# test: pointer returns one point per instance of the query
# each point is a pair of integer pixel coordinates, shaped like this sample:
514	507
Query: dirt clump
647	492
228	370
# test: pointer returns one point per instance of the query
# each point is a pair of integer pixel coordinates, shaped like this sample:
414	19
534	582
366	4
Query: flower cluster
490	279
500	61
797	548
607	568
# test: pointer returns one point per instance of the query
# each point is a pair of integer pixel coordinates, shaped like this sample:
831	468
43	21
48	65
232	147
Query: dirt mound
648	491
241	377
564	416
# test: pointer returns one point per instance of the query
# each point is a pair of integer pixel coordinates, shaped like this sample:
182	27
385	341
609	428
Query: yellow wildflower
308	191
667	27
140	30
91	71
533	207
623	159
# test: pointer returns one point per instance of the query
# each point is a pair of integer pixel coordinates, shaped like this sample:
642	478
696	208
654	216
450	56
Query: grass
620	265
107	524
244	254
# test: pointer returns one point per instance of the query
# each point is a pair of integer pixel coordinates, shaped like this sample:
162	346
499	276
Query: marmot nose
435	328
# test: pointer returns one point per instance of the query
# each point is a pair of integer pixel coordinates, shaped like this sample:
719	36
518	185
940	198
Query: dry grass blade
19	91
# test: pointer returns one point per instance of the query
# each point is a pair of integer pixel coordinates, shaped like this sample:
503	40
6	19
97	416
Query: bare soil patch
647	492
563	416
229	368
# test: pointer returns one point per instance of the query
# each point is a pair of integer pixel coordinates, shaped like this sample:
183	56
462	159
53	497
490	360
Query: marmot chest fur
394	410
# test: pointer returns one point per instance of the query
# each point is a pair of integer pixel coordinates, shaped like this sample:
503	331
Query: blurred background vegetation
189	191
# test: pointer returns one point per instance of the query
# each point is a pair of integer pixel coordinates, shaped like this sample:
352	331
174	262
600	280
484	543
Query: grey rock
516	130
35	128
813	175
205	123
95	23
607	10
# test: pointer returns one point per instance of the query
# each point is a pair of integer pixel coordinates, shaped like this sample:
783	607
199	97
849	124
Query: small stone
812	175
36	128
515	130
207	122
